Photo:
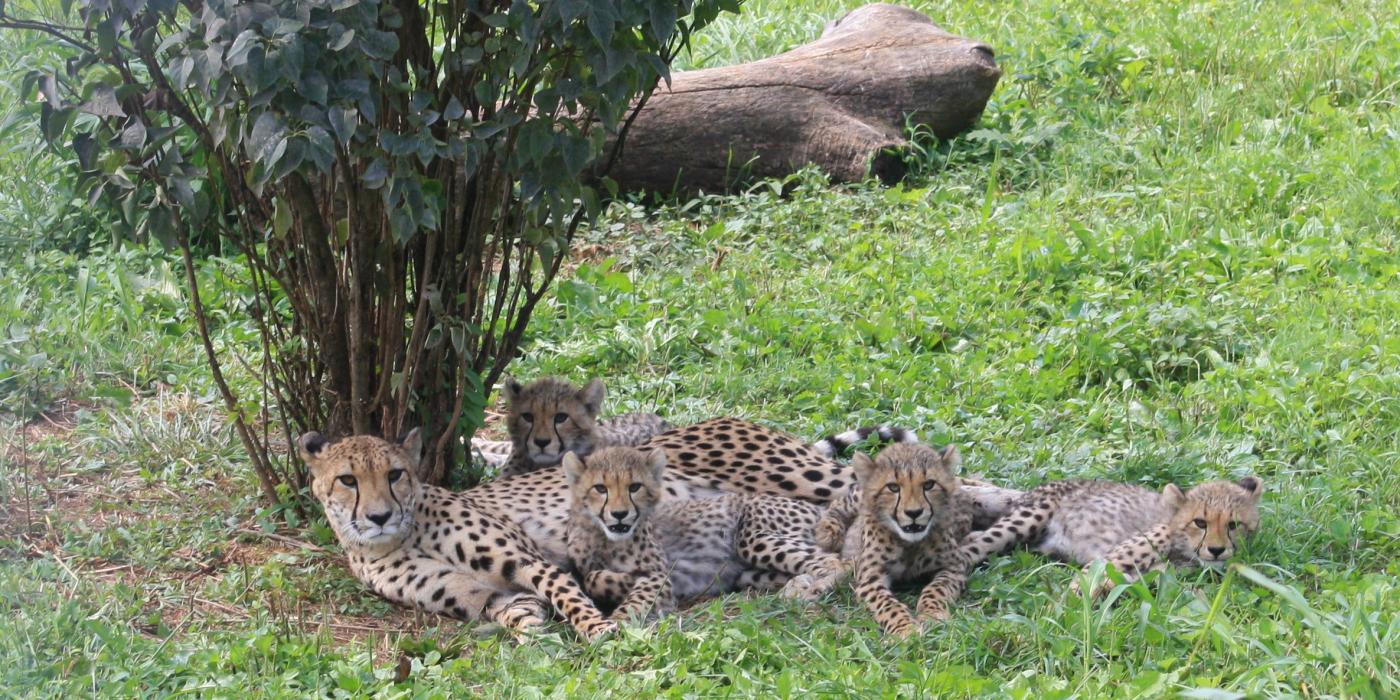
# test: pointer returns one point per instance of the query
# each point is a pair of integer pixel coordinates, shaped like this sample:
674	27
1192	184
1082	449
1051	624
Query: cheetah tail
833	445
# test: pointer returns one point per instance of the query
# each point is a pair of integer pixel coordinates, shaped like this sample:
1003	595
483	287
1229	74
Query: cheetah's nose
542	442
379	518
1215	551
914	513
620	514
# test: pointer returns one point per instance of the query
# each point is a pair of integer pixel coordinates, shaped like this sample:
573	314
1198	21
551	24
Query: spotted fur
1134	529
609	533
644	553
912	519
442	552
989	503
551	416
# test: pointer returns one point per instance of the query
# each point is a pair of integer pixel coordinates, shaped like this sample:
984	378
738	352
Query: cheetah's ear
412	445
1253	484
952	458
511	390
592	396
863	465
310	447
1172	497
573	468
657	461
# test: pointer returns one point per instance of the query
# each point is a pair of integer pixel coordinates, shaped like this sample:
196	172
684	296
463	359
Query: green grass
1168	253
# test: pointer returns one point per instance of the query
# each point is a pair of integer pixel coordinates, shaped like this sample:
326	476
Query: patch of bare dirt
180	591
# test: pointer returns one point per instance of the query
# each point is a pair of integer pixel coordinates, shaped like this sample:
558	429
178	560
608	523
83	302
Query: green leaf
103	102
48	84
281	218
663	21
343	40
238	52
454	110
134	135
600	23
342	120
268	132
375	174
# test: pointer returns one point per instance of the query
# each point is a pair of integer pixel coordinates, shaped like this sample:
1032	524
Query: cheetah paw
903	632
934	615
828	536
1101	589
802	587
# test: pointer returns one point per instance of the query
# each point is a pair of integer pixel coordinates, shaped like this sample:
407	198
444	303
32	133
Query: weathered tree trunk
840	102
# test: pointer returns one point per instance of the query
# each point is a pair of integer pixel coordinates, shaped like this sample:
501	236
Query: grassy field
1169	252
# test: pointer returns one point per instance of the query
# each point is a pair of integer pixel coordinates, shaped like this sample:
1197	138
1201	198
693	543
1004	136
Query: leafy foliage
402	180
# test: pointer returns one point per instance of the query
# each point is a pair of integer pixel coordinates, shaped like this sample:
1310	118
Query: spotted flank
495	453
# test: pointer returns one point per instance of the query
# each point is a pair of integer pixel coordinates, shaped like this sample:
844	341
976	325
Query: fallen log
841	102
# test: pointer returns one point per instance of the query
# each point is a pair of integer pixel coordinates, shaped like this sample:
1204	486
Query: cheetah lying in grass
911	520
550	416
425	547
496	551
717	456
645	554
1132	528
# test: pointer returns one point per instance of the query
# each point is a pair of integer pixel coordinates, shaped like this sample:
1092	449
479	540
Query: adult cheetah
551	416
423	546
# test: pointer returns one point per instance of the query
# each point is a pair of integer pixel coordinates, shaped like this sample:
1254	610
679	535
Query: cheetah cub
646	554
1134	529
912	518
551	416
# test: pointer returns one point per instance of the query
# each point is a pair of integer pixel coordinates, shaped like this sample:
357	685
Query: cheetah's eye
1199	523
600	488
633	488
1234	524
395	475
348	480
928	485
527	417
559	418
893	487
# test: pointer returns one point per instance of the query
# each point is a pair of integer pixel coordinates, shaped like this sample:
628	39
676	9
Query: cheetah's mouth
619	528
914	528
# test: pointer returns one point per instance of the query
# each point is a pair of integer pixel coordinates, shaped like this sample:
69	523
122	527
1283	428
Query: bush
402	179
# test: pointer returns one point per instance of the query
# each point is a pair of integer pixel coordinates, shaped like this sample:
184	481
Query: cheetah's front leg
813	572
873	588
1024	523
649	594
945	588
562	591
436	586
608	587
830	532
1133	557
517	611
763	580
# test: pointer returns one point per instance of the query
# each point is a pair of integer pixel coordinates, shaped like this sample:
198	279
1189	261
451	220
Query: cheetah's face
617	487
367	486
1216	517
550	416
908	487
